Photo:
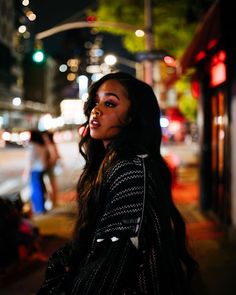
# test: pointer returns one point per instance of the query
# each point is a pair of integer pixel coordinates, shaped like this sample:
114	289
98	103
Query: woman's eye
109	104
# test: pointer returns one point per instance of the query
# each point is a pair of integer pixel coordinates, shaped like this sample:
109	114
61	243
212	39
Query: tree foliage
186	102
173	26
174	22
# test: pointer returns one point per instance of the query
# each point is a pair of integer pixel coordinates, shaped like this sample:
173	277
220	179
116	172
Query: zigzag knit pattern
124	191
132	200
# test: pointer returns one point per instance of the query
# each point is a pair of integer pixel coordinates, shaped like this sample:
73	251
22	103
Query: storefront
212	55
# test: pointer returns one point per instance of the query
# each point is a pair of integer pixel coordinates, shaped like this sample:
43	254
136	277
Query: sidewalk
207	242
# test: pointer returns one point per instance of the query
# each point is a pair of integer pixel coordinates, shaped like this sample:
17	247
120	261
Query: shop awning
207	35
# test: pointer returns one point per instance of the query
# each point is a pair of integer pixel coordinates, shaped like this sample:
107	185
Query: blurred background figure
19	238
35	169
53	161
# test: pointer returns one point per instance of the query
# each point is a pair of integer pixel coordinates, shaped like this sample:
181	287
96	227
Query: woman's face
111	112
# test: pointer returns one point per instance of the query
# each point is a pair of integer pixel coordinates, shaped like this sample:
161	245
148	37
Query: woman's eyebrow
113	94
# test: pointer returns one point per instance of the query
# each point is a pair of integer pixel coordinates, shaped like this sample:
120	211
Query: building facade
212	55
32	101
11	74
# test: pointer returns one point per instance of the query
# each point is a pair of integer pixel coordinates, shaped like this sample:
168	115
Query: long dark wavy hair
142	135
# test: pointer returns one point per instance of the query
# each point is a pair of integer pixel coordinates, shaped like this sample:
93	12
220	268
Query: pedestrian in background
35	169
53	160
129	237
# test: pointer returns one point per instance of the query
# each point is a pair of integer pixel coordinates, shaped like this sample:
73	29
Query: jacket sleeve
111	266
56	275
125	198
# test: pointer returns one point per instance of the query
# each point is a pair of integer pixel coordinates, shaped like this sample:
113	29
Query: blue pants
37	191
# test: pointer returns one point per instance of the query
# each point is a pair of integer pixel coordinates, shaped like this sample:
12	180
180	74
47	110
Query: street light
149	44
82	80
112	59
16	101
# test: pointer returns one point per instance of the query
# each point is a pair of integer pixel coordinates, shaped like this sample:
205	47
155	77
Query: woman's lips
94	123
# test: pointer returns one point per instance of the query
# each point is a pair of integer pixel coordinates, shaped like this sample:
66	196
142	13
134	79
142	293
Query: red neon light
218	74
218	69
200	56
212	43
222	55
195	88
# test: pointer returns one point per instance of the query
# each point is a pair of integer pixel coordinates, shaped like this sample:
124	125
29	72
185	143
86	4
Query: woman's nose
96	111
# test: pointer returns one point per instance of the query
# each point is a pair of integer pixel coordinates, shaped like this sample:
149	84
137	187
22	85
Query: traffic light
38	56
91	18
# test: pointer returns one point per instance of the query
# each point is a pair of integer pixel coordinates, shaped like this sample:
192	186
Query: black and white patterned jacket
132	250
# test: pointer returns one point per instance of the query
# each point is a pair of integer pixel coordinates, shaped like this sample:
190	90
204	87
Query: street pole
148	24
149	42
147	65
84	24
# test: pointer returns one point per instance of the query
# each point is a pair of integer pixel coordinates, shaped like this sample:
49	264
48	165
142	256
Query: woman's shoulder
125	165
127	161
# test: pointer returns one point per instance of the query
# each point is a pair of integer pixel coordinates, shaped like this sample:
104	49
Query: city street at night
207	242
115	80
13	161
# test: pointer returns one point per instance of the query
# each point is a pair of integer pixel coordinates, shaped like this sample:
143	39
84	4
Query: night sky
54	12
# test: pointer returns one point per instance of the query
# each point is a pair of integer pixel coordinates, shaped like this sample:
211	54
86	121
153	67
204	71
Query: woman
36	167
53	160
129	237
